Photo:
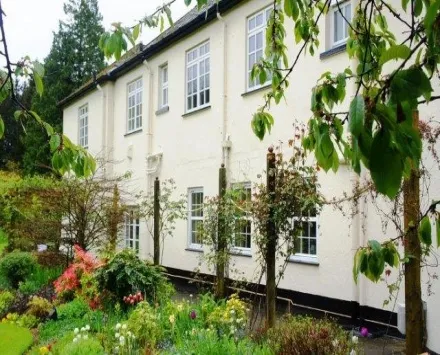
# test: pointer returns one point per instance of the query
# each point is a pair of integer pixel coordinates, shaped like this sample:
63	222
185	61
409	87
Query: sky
29	24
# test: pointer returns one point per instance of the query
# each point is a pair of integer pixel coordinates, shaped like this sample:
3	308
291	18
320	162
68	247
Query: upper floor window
132	231
195	215
197	77
163	86
243	231
340	14
83	116
256	42
134	118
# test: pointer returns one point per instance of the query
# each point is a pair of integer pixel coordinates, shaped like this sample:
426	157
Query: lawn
14	340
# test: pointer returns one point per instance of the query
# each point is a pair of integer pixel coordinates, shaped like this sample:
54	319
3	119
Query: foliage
172	208
79	346
56	329
24	320
75	309
41	277
3	241
29	211
206	341
13	339
126	274
305	335
75	278
51	259
125	341
17	266
6	300
39	307
230	318
143	322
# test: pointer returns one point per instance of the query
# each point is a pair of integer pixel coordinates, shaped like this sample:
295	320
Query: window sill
304	260
240	252
260	88
332	51
162	110
197	110
133	132
195	249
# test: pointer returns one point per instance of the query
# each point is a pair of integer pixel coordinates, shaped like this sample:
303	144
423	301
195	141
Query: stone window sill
133	132
204	108
162	110
333	51
252	91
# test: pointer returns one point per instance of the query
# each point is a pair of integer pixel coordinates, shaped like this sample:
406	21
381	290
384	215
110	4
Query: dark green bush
17	266
75	309
125	274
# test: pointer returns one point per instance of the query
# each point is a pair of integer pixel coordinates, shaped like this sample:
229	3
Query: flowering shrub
77	278
144	323
230	318
306	335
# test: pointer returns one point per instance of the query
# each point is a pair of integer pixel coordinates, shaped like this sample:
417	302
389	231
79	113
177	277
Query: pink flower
364	332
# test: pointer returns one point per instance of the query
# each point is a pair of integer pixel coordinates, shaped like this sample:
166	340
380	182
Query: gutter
148	51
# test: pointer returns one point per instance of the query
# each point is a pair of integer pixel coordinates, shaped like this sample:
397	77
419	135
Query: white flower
117	349
355	339
239	320
129	333
121	340
191	295
180	307
117	335
172	319
232	311
118	326
76	331
83	329
85	336
353	352
87	327
335	343
124	326
75	340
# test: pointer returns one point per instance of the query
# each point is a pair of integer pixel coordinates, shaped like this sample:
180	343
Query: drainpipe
226	142
150	171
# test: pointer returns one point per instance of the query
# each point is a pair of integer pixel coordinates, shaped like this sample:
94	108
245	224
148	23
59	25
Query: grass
3	241
14	340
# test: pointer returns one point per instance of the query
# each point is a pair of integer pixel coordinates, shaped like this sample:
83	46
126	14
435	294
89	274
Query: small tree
172	208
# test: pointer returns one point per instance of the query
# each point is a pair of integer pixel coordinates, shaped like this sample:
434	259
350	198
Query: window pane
252	43
259	40
312	229
251	23
338	26
207	93
313	246
259	20
305	246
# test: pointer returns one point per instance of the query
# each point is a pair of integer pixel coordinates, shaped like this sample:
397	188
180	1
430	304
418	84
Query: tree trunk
156	221
220	291
413	293
271	243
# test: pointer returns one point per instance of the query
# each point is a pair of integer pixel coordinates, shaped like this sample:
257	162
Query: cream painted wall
192	153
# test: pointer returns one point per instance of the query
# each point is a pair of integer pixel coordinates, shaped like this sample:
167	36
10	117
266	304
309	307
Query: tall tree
73	59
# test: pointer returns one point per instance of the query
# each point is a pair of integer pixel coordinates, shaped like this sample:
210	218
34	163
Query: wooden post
156	221
271	243
413	293
220	291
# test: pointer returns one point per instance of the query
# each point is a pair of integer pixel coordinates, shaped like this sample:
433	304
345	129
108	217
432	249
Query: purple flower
364	332
193	314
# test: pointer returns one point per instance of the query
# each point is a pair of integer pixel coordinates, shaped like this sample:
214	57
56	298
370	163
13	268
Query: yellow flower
44	350
172	319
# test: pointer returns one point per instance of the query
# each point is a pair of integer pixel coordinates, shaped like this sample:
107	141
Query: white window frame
194	190
163	86
332	13
83	126
134	105
307	257
247	217
196	59
132	231
254	32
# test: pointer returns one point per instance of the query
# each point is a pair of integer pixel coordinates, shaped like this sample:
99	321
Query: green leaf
390	255
2	127
291	9
376	265
395	52
54	142
386	165
38	83
409	85
187	2
358	260
357	115
170	18
38	68
431	14
136	31
375	246
437	224
425	231
258	126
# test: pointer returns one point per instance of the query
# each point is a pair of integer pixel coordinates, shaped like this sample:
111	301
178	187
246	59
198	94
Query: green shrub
39	307
55	329
306	335
83	347
144	323
6	300
75	309
40	277
13	339
25	320
51	259
17	266
125	274
207	342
